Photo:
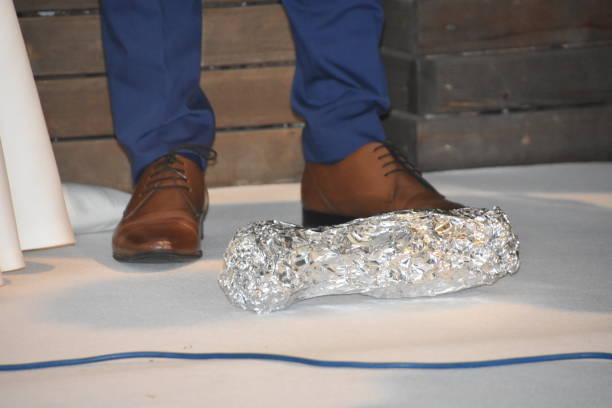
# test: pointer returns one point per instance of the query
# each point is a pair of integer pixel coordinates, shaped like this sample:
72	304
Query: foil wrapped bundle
269	265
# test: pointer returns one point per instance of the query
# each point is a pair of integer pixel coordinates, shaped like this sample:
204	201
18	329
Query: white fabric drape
32	210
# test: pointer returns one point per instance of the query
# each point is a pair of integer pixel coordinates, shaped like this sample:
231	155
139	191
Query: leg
340	90
152	50
340	87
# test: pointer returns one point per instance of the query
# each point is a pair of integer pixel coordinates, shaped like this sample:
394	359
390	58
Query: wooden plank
258	157
402	80
245	157
36	5
240	97
63	45
462	141
444	142
76	107
100	162
444	26
232	36
400	130
242	35
514	80
250	97
400	28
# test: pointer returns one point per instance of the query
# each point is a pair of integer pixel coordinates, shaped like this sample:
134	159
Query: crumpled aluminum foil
269	265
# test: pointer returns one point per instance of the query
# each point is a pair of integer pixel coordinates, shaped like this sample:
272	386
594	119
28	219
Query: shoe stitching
405	165
194	211
324	199
397	157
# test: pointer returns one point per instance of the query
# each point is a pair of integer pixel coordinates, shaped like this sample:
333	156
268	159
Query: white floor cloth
77	301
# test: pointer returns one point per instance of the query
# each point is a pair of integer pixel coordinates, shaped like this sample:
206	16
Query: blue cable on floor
305	361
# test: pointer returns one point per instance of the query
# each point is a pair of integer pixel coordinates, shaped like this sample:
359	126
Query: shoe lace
165	169
403	163
397	157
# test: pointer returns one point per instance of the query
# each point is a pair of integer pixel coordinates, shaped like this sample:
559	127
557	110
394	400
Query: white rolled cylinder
37	200
11	257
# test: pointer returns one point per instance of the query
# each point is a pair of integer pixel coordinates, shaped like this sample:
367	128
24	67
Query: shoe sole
157	257
314	219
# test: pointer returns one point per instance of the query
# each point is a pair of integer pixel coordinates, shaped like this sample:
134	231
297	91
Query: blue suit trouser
153	54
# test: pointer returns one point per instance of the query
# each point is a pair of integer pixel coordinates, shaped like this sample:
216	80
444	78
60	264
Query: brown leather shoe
163	220
374	179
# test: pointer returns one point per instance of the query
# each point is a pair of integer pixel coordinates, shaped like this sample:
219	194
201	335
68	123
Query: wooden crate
472	82
481	82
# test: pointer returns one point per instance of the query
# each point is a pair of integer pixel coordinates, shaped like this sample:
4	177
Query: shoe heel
313	219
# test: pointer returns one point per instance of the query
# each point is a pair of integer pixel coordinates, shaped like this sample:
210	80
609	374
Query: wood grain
443	142
244	97
68	45
246	35
401	131
497	81
245	157
462	141
258	157
443	26
36	5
